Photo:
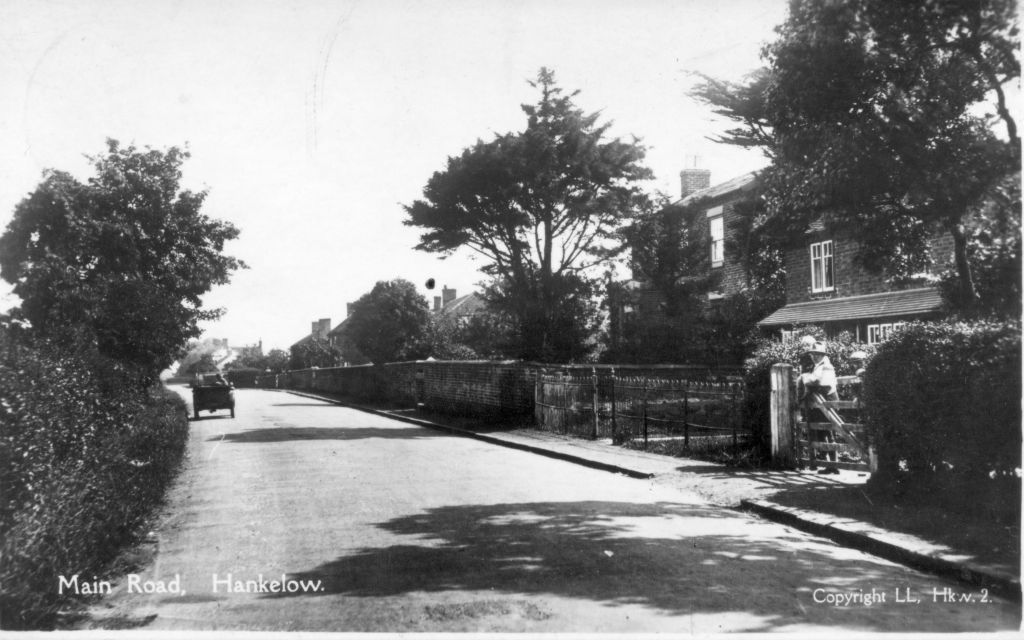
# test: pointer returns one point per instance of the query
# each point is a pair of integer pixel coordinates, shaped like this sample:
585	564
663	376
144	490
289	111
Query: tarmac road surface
301	515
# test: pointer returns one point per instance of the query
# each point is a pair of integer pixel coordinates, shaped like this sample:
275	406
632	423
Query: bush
942	401
84	456
757	372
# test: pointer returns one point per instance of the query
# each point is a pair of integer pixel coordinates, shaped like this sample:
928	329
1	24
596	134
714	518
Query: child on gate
822	380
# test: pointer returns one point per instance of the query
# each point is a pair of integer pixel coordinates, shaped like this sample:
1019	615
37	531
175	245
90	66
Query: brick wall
478	388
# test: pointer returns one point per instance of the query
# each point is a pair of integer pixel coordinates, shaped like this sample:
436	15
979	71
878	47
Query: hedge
85	455
944	399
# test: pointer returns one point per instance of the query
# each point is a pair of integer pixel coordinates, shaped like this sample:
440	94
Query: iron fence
624	408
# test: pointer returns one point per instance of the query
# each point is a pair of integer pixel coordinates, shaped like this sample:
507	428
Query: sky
311	123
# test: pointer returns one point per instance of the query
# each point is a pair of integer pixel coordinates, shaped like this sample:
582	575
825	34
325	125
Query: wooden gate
840	440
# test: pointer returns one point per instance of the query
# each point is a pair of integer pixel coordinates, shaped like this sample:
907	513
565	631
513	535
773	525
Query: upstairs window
822	267
717	239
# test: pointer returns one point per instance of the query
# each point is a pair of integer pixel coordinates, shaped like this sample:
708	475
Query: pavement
738	488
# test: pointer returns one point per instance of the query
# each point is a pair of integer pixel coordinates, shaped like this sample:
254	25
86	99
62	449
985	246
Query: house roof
467	305
739	183
337	330
873	305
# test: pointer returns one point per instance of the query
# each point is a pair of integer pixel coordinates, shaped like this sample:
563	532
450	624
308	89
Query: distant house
825	286
447	305
319	331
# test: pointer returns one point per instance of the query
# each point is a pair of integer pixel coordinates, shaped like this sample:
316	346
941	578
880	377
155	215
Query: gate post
782	415
593	371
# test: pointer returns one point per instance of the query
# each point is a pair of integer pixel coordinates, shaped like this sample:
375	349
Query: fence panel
626	408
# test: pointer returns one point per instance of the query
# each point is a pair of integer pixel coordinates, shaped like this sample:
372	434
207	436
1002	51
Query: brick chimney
447	295
693	180
321	328
437	303
348	309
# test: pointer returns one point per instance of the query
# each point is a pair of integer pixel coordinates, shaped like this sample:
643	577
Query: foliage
669	253
729	330
993	250
768	352
120	261
85	454
314	353
872	108
444	340
570	320
669	248
539	206
943	399
205	364
276	360
389	323
743	103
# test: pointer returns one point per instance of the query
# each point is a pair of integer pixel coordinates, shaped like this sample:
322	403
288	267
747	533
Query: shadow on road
284	434
306	404
677	558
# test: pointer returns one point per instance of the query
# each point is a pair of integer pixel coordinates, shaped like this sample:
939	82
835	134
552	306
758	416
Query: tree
993	249
120	262
204	364
276	361
539	205
389	323
743	103
874	113
669	249
314	353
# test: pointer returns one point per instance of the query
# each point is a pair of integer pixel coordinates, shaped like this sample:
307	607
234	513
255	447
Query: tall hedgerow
85	454
943	403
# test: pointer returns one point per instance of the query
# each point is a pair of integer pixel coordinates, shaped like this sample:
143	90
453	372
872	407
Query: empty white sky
311	122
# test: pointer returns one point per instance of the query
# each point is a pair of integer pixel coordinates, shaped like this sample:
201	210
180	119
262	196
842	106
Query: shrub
942	400
757	372
84	456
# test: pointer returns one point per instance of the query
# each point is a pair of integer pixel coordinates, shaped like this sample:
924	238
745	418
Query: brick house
448	305
826	286
720	217
718	221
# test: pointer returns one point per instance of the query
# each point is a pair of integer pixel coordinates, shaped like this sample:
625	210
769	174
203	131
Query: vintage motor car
210	394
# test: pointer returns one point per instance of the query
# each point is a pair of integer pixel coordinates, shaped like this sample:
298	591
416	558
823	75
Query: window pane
717	239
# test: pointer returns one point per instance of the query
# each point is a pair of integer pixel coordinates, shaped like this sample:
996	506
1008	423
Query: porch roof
873	305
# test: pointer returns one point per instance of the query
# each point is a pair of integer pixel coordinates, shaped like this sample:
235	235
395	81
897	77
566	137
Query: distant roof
873	305
739	183
467	305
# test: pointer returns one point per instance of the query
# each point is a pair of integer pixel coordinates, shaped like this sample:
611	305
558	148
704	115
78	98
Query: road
378	525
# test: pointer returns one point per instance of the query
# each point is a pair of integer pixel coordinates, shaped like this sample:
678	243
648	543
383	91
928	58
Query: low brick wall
470	388
478	388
